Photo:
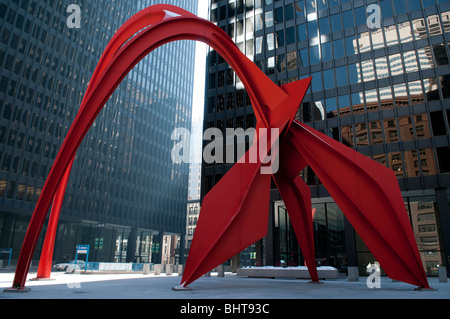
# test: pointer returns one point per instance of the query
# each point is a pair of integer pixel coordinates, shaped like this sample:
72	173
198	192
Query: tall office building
124	194
380	89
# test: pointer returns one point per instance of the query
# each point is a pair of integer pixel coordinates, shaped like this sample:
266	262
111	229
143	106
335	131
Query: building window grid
354	27
58	123
403	59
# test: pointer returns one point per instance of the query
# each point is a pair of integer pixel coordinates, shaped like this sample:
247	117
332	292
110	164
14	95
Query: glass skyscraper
124	194
380	89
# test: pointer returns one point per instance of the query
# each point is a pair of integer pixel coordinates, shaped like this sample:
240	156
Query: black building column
350	244
181	251
157	248
5	232
444	217
131	246
269	242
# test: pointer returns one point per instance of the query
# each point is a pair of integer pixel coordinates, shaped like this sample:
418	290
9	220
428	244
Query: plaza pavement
140	286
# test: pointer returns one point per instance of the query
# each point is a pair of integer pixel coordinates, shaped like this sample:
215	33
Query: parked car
71	266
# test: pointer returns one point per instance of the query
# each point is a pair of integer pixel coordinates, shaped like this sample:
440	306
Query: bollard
180	270
146	269
169	270
220	271
158	269
353	273
443	278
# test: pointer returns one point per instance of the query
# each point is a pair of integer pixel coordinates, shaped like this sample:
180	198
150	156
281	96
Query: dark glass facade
383	91
124	193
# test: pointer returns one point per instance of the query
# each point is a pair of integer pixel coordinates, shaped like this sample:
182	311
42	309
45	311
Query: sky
199	90
200	64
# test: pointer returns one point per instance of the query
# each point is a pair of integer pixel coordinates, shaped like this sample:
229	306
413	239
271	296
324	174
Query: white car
71	266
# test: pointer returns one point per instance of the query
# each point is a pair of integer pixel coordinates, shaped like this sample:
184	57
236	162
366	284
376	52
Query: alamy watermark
374	18
231	147
74	19
374	279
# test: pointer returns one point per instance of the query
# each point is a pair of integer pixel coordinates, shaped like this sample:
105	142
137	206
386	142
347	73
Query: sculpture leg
369	195
233	216
45	263
297	198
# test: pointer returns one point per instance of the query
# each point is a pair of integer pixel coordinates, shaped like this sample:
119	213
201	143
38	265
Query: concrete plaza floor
139	286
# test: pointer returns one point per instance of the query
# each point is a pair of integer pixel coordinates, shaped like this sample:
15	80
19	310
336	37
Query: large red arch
226	226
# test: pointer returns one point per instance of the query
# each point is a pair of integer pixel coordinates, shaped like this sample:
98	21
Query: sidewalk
139	286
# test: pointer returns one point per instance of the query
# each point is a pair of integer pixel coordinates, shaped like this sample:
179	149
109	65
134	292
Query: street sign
82	250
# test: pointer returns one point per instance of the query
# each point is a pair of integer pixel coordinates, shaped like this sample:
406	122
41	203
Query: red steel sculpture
234	213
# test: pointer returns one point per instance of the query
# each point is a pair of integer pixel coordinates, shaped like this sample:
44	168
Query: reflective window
341	76
446	20
299	9
405	33
443	154
367	70
292	61
269	19
327	53
377	39
338	48
360	16
391	131
347	136
354	73
281	62
400	6
381	66
419	29
258	45
335	21
415	92
258	22
303	57
357	103
427	231
290	35
301	32
438	123
249	27
414	5
425	58
386	8
331	106
288	12
344	102
390	35
328	79
270	42
279	39
316	82
364	42
347	17
278	15
361	134
351	45
314	54
270	65
428	3
410	60
310	6
324	26
440	54
431	89
312	29
395	64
